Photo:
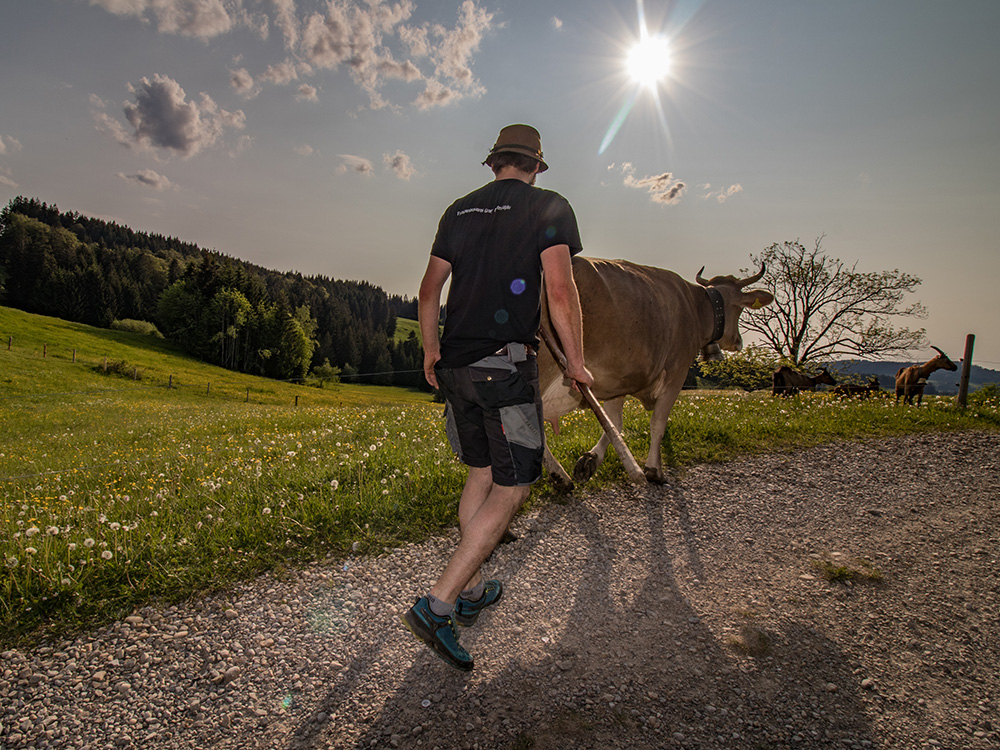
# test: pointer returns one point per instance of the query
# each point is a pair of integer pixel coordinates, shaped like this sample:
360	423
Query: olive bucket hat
519	139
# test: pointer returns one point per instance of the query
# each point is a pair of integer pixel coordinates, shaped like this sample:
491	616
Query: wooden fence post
963	383
105	363
248	395
45	350
170	382
296	400
208	388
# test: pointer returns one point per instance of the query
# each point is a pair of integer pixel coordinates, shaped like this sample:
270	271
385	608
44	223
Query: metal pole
963	384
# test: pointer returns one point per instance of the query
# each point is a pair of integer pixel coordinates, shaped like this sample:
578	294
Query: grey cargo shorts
493	417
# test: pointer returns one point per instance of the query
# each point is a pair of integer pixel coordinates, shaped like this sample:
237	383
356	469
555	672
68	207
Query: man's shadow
645	665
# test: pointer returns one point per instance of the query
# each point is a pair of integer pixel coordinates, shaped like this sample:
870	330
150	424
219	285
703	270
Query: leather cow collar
718	313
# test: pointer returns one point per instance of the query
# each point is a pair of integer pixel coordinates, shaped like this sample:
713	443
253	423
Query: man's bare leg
485	511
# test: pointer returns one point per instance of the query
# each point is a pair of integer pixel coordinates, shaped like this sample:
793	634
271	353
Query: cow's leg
589	462
557	474
657	427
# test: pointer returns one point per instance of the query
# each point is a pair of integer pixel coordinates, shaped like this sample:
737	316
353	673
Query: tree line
220	309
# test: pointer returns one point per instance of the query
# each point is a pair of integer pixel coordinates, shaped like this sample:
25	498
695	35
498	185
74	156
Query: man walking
495	244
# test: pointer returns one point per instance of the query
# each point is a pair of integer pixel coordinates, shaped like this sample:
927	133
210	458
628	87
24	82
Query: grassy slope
41	354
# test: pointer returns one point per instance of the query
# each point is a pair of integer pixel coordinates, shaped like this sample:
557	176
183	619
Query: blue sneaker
437	632
467	611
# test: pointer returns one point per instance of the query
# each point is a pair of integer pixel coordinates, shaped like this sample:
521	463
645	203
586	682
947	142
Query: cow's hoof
656	476
585	467
561	483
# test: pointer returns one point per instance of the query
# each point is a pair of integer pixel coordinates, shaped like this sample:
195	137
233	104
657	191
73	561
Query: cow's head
734	299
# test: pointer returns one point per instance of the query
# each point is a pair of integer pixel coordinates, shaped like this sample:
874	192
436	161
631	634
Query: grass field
116	492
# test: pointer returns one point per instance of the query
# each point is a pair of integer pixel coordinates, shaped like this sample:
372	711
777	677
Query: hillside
220	309
42	355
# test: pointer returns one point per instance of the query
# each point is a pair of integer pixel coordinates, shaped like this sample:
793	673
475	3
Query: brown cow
910	381
788	382
643	328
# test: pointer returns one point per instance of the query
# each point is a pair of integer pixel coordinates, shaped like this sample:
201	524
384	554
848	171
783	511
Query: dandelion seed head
30	551
88	542
266	511
107	554
31	531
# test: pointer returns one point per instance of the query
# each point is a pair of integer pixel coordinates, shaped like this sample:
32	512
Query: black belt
528	349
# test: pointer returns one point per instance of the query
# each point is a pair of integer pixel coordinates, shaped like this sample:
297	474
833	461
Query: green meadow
131	474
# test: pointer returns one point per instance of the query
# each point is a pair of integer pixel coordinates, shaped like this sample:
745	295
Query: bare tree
824	308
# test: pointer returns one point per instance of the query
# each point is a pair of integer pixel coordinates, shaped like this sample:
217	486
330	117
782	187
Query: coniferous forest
220	309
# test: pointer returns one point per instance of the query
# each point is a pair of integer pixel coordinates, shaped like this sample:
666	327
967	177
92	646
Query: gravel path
689	615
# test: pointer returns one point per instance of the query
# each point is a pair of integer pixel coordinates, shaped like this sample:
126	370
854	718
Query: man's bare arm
429	312
564	310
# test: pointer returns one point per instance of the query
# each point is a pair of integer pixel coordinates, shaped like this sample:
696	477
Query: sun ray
648	63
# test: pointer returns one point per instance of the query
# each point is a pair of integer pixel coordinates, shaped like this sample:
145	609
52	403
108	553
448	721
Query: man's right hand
429	361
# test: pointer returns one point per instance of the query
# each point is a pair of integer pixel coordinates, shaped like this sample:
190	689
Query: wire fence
110	366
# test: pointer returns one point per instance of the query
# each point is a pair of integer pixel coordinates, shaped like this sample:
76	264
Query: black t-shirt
493	238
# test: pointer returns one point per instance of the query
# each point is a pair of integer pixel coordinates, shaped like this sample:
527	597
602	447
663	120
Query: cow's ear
757	299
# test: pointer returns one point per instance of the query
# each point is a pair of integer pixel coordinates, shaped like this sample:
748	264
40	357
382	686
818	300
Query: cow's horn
938	351
699	279
753	279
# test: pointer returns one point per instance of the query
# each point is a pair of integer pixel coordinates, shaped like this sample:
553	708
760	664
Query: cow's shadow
630	657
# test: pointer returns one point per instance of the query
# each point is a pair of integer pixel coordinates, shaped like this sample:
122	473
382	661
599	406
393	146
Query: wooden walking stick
632	467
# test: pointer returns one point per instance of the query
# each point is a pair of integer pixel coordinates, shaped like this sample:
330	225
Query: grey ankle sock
475	593
439	607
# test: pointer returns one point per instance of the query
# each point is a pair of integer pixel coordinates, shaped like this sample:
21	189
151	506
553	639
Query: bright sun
649	61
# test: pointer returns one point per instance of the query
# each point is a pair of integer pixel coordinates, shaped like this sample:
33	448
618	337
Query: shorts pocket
496	388
521	425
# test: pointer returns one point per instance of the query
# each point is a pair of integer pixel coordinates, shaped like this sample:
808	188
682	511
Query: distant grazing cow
861	391
910	381
643	328
788	382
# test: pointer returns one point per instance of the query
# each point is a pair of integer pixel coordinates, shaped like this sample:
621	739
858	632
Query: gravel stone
692	614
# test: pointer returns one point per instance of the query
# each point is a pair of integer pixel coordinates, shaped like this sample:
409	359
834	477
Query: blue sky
328	137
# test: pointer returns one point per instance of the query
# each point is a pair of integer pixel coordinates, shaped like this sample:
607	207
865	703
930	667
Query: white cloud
721	195
304	150
149	178
452	58
9	144
5	179
282	73
400	164
287	21
357	164
307	93
162	118
243	84
371	40
557	23
203	19
662	188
